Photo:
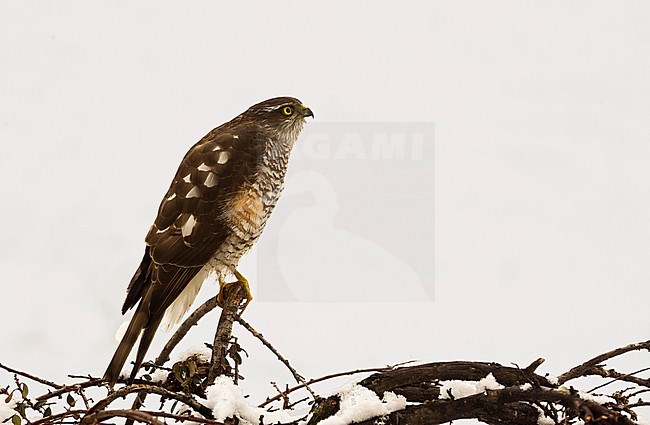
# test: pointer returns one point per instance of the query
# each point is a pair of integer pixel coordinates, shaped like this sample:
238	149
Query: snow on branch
201	387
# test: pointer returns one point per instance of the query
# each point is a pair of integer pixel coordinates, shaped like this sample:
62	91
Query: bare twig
283	394
323	378
636	393
184	328
81	376
70	388
299	379
53	418
582	369
134	415
295	403
151	389
82	393
628	377
147	416
189	418
30	376
639	404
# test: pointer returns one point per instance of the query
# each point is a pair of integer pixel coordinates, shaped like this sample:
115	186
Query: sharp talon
223	290
247	288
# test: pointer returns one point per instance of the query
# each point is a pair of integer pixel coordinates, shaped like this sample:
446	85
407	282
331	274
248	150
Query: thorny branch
218	363
193	320
30	376
151	389
524	398
283	394
590	366
299	379
65	389
184	328
516	403
177	337
618	376
134	415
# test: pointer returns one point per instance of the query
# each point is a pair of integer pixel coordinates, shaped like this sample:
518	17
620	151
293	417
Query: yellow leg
241	280
247	288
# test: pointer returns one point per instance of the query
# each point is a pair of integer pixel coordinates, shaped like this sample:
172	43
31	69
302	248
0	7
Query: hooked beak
306	112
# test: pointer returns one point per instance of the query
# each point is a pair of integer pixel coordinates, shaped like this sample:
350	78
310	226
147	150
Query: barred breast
249	210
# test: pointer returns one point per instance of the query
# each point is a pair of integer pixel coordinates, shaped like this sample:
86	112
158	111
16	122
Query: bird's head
281	114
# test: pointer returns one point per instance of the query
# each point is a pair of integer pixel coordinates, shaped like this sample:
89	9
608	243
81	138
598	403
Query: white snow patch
7	409
358	403
122	330
226	400
642	420
542	419
204	353
159	376
461	389
600	399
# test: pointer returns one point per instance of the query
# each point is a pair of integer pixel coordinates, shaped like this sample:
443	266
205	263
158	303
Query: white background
542	184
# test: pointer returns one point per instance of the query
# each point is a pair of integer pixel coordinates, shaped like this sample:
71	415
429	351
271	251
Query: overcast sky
537	114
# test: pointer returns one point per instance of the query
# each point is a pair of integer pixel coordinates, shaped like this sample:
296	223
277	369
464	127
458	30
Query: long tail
145	342
138	323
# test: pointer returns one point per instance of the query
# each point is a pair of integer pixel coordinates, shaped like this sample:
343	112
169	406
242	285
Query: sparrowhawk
214	211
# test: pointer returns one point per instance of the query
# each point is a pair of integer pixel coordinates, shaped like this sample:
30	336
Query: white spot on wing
203	167
171	197
194	193
188	226
211	180
216	148
223	157
270	108
186	179
235	136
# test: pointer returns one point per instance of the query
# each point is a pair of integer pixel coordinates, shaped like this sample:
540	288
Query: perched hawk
214	211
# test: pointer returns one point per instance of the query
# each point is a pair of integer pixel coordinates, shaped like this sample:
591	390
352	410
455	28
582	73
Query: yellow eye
287	110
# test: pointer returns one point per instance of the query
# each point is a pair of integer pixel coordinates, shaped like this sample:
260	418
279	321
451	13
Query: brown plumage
214	211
